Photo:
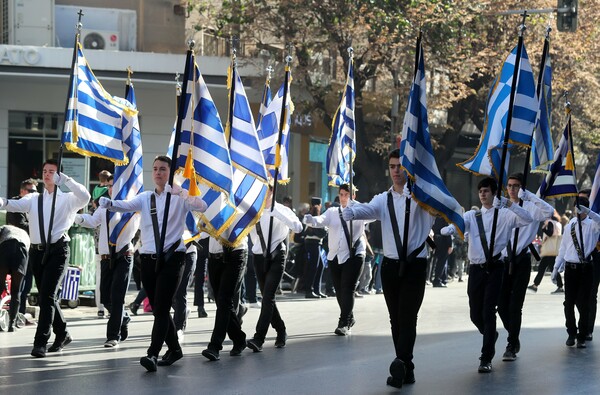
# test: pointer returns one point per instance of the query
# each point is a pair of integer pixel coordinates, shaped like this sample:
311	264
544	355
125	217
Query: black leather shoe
149	362
588	338
236	351
331	294
485	367
342	331
202	313
38	352
570	341
60	342
170	358
211	355
133	307
398	371
124	332
322	295
281	339
254	345
312	295
581	344
394	382
409	377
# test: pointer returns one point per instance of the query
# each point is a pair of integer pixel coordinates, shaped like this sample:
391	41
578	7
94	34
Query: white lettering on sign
15	55
303	120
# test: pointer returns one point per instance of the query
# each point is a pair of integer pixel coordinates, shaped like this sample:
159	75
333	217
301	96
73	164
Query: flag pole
282	121
176	143
231	92
507	133
526	167
350	150
61	147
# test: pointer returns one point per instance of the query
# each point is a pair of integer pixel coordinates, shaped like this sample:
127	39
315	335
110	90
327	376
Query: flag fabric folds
595	196
128	179
264	104
203	138
249	171
416	155
342	145
561	181
542	147
487	157
268	134
94	119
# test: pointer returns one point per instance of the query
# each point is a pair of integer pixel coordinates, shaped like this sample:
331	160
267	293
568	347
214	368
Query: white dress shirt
178	210
98	218
284	219
508	218
420	222
590	227
540	211
67	205
337	242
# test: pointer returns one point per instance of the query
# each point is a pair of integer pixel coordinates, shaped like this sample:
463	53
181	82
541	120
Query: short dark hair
29	181
163	158
583	201
394	154
516	176
587	192
110	178
488	182
103	175
53	162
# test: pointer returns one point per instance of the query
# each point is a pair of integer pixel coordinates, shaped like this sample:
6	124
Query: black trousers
314	268
48	277
512	296
114	282
225	273
345	278
440	266
578	285
483	290
545	263
269	276
13	261
199	276
160	286
250	280
180	299
594	291
403	297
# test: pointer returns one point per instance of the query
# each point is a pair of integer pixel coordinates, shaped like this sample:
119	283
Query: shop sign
17	55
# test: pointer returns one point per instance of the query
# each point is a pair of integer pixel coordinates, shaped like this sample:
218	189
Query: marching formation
222	182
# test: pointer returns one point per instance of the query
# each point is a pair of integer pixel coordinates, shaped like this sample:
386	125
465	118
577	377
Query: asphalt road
315	360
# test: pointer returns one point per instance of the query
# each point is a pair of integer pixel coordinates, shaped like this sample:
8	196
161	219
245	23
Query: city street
315	360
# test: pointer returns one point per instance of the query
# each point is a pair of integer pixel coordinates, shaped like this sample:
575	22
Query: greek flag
542	147
487	157
128	179
342	145
268	134
94	119
595	196
70	284
249	171
560	182
203	138
416	155
264	104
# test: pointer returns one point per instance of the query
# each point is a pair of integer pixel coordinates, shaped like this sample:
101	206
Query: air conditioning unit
100	39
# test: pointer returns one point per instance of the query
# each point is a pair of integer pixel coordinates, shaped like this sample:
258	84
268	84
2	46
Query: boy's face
344	197
396	173
486	197
160	173
513	187
48	173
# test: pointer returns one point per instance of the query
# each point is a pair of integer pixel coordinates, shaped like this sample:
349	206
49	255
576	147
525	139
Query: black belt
575	265
127	253
42	247
495	261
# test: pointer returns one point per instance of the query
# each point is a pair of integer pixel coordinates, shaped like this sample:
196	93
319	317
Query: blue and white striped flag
249	171
94	119
268	134
416	155
561	181
203	136
342	144
595	195
70	284
266	100
486	160
542	149
128	179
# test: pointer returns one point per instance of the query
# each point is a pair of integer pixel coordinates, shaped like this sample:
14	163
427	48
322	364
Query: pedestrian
551	238
14	247
517	263
160	275
574	258
486	267
49	250
116	261
346	255
270	264
313	240
403	277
